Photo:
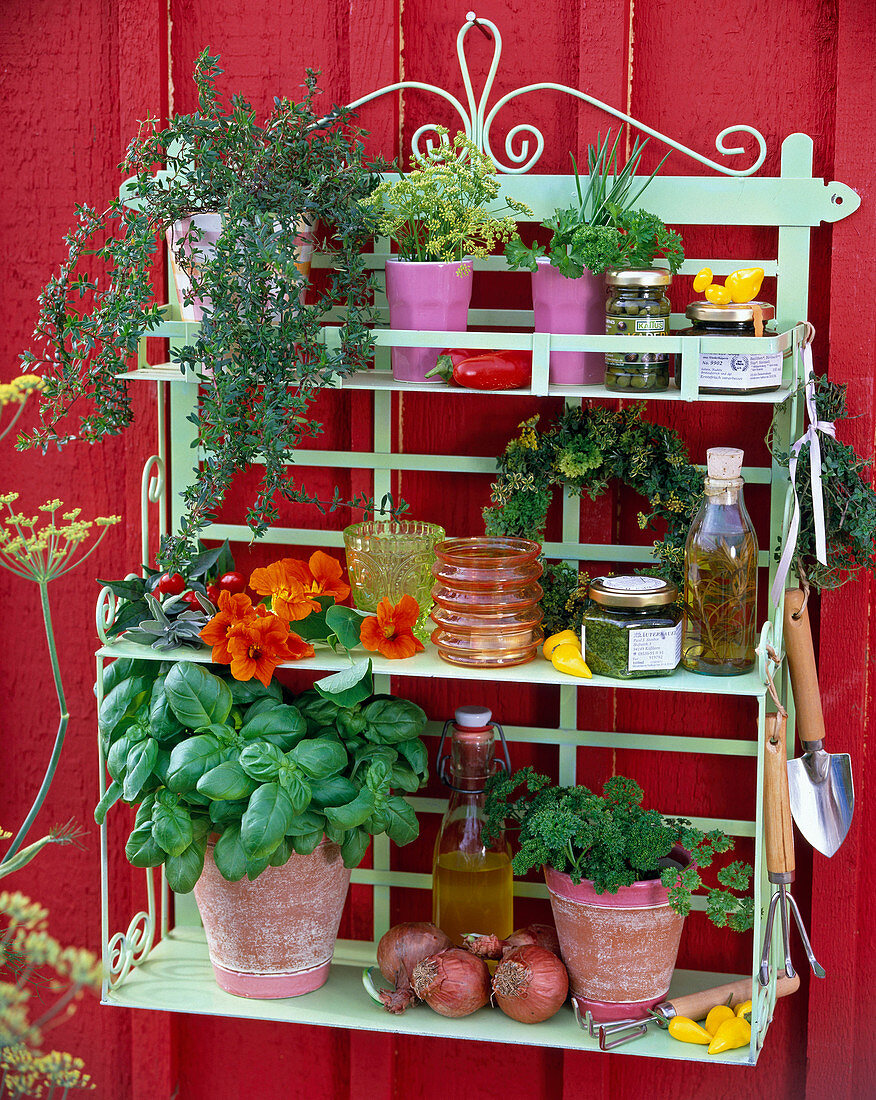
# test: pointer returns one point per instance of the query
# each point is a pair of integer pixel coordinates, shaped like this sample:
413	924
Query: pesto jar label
654	650
741	372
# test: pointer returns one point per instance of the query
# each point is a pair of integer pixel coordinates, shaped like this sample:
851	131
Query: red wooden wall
75	77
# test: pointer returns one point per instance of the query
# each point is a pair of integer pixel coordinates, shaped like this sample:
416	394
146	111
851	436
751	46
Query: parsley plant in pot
260	802
440	218
601	231
620	879
261	354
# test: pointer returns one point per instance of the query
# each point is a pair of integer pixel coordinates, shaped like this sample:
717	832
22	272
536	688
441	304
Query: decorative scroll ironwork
152	484
130	948
476	122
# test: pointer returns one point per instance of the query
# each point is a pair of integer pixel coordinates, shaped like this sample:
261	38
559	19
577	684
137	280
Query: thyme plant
262	354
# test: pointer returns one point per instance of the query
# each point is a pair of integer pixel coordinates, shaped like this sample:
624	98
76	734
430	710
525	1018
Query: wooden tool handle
801	664
777	803
696	1006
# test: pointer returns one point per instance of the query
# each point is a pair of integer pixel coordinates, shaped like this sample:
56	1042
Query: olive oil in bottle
472	881
720	575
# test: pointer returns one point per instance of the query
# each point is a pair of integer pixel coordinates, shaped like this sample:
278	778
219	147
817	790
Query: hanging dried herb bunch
586	449
849	500
262	354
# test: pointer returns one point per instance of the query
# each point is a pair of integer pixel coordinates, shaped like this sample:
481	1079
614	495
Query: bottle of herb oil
720	575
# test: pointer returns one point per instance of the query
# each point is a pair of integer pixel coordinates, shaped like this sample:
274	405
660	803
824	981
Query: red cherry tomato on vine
191	598
233	582
213	593
171	584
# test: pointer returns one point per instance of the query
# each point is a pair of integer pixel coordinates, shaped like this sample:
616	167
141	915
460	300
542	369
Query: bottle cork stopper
724	463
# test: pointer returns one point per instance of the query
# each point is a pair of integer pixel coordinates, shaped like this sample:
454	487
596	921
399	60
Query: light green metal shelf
428	665
177	977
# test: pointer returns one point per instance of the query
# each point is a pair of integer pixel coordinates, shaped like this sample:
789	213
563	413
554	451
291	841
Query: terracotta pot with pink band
619	949
274	936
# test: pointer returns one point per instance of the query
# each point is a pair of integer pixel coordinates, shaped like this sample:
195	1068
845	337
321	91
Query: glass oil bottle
472	882
720	575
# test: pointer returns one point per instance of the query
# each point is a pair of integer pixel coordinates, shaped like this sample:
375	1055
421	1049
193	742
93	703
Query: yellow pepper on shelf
745	1009
718	295
717	1016
730	1035
551	643
567	657
688	1031
702	279
744	284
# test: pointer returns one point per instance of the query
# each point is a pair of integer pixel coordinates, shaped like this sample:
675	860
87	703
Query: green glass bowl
388	558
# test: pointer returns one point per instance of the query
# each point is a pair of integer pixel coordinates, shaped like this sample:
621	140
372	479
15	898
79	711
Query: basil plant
201	754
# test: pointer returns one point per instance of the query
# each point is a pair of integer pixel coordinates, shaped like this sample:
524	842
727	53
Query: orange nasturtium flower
258	645
293	584
391	631
234	609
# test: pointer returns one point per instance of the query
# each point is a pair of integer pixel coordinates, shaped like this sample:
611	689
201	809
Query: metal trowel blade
822	797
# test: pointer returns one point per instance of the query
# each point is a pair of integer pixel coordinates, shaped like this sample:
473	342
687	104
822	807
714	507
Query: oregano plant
261	349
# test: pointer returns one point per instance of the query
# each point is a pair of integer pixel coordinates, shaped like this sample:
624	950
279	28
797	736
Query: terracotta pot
570	307
619	949
274	936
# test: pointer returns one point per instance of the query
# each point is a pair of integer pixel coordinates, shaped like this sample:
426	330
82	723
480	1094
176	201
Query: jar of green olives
727	371
637	306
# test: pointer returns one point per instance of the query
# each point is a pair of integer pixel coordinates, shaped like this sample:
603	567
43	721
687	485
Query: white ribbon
810	436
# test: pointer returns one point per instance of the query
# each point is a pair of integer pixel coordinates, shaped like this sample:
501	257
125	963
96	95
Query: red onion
453	982
530	984
491	947
399	951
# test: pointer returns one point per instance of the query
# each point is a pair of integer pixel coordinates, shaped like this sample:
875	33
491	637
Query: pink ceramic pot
570	307
620	949
274	936
428	296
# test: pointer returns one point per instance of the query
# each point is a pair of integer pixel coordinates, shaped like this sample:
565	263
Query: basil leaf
263	825
126	668
354	847
190	759
121	701
377	777
196	696
353	813
245	692
226	781
261	761
402	776
223	814
307	843
319	713
305	823
162	721
297	789
254	867
320	759
348	687
417	755
229	856
184	870
117	757
332	792
280	718
144	811
111	796
142	849
138	767
281	854
172	827
393	720
402	826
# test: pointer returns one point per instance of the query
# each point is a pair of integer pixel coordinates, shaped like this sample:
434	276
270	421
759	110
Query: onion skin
491	947
530	984
453	982
399	951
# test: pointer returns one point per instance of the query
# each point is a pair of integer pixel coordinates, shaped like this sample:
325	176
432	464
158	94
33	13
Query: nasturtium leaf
350	686
346	623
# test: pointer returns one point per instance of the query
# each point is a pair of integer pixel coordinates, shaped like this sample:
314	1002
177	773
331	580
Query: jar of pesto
637	306
632	627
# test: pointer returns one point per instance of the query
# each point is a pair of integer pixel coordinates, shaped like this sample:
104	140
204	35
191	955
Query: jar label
654	324
655	649
633	584
741	372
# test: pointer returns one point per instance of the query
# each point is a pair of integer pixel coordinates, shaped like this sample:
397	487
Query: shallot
491	947
530	984
399	951
453	982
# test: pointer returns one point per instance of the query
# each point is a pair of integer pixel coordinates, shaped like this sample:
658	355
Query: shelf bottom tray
177	977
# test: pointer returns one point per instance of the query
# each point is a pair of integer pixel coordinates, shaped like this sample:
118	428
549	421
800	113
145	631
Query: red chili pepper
485	370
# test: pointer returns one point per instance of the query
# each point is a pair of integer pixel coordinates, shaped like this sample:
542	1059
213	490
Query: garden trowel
820	783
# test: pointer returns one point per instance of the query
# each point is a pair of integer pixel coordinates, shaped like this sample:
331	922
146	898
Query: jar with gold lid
728	371
631	627
637	306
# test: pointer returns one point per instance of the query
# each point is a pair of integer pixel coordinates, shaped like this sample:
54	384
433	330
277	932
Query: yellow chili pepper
566	657
744	284
688	1031
745	1009
702	279
730	1035
717	1016
718	295
554	640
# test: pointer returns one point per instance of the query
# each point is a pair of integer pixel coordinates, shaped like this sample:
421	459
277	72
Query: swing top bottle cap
724	463
472	717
